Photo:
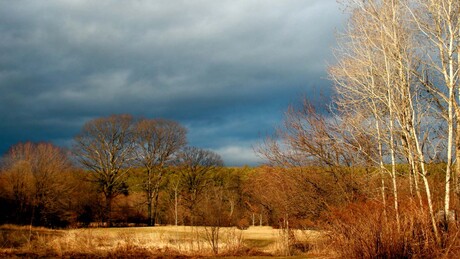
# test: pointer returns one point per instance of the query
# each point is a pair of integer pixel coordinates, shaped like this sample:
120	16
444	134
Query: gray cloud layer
226	69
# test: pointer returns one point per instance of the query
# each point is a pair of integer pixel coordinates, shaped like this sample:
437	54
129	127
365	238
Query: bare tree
174	186
371	77
309	138
380	69
157	141
438	23
105	147
36	173
195	166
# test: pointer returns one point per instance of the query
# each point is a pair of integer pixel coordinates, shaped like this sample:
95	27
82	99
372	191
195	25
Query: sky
224	69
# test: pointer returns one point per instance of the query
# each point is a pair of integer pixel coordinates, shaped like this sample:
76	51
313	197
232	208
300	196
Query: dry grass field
156	242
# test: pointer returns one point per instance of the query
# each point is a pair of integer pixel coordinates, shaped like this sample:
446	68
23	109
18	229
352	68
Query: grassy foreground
157	242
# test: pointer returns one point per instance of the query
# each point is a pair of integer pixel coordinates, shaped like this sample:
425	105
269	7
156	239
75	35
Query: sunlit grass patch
139	241
258	243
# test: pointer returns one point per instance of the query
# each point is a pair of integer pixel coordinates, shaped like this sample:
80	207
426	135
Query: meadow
157	242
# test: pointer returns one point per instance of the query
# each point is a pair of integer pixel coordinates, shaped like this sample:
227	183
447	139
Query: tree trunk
149	210
457	159
450	135
175	206
155	208
393	157
108	209
424	174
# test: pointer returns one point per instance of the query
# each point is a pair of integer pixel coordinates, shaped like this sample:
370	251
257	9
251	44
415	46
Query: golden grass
144	241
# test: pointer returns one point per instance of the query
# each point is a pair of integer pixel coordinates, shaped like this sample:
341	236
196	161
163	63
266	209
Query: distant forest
126	172
123	171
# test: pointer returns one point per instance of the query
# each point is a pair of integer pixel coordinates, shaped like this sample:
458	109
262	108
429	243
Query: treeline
123	171
118	169
39	185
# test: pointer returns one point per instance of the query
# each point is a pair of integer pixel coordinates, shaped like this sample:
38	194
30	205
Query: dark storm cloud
225	69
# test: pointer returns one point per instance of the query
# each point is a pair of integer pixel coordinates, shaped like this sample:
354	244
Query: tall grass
366	230
131	242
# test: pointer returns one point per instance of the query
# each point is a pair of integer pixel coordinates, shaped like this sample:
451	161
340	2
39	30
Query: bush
366	230
243	224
